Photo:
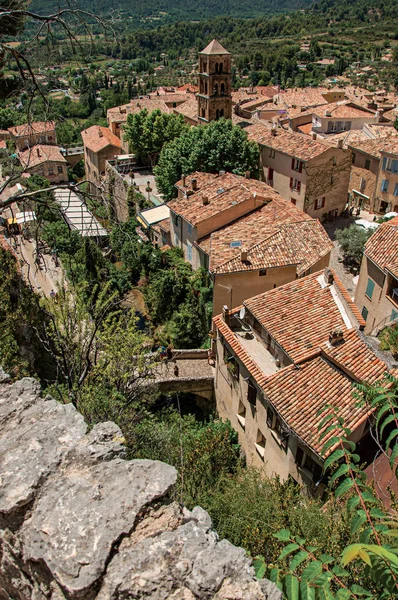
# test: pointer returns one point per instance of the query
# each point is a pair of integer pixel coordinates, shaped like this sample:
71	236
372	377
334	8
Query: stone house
280	359
376	162
341	116
100	145
376	294
47	161
245	234
311	174
30	134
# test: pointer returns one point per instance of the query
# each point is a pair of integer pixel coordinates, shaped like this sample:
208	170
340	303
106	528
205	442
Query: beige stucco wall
229	393
361	158
282	165
320	123
233	288
380	307
95	163
49	170
388	196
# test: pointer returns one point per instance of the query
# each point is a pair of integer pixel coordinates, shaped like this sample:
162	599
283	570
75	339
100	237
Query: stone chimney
183	180
329	277
100	134
273	131
194	184
314	135
221	172
225	314
38	152
340	144
243	254
336	336
205	200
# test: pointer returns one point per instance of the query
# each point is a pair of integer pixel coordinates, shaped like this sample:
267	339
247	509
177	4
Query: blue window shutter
369	288
384	163
396	190
364	312
189	251
394	315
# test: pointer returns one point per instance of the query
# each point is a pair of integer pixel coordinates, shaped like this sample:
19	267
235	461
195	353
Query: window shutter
369	288
301	167
323	201
291	182
298	186
293	163
384	163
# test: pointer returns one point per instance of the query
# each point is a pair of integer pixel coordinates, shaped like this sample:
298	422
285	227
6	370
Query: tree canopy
147	132
210	148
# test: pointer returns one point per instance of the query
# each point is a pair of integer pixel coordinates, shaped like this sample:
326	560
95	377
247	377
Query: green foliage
389	340
147	133
352	241
210	148
314	574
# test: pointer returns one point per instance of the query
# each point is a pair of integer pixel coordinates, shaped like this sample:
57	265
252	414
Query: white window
320	202
50	171
60	170
272	153
333	126
296	165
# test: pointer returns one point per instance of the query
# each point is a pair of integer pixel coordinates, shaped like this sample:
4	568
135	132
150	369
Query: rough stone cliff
77	521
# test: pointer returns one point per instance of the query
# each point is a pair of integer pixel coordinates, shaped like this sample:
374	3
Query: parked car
366	224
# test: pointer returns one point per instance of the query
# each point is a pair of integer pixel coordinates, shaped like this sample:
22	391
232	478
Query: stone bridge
195	375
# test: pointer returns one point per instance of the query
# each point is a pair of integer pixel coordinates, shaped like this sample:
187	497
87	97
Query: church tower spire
215	80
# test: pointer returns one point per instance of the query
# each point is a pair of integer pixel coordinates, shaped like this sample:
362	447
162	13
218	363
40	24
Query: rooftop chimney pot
329	277
205	200
194	184
243	254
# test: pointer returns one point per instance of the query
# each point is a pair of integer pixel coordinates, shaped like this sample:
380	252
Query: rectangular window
353	158
189	228
313	468
50	171
394	315
189	251
396	190
270	417
370	288
384	185
281	434
297	165
384	165
367	164
262	272
320	203
364	312
59	170
260	443
394	166
251	393
176	220
293	201
241	414
299	456
271	153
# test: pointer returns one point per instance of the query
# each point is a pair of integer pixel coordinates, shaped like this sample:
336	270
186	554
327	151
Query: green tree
352	241
147	133
218	145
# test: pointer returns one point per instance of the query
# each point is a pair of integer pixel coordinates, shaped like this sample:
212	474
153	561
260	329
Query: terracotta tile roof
40	154
288	142
222	192
97	138
201	178
188	109
3	145
304	97
363	181
300	332
119	114
345	110
164	225
299	392
382	247
188	88
306	129
34	128
388	143
277	234
324	374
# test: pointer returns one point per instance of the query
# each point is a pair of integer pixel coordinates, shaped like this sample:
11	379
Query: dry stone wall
78	521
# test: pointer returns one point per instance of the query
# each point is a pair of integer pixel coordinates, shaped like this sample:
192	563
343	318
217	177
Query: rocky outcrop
78	521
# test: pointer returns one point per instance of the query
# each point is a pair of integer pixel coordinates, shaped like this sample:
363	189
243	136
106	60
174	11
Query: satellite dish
242	313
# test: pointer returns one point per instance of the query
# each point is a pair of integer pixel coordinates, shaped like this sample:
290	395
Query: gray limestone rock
78	522
84	509
4	377
33	439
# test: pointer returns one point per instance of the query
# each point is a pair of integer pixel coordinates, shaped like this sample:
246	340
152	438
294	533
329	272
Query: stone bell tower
215	78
